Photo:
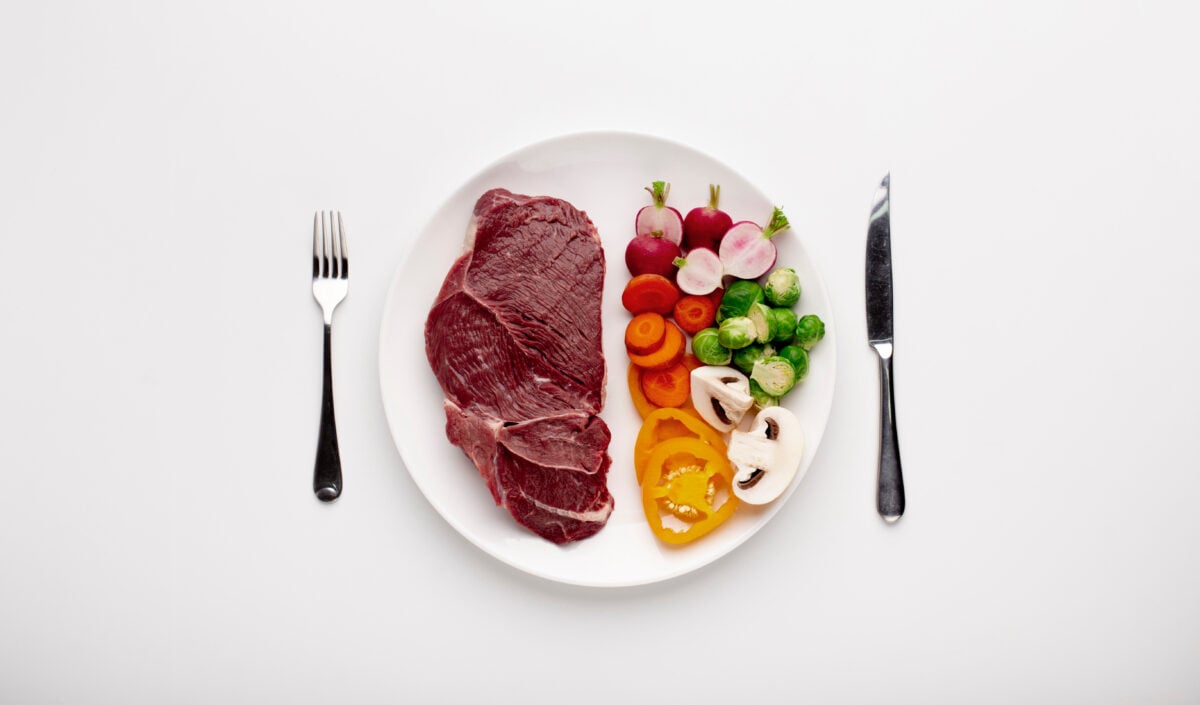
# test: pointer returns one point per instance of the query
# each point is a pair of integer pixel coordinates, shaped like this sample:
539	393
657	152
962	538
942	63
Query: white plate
602	174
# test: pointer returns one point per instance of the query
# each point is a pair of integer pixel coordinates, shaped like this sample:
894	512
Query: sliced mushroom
767	457
721	395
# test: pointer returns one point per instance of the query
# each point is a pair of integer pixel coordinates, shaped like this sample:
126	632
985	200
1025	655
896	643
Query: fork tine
345	252
316	247
325	250
336	270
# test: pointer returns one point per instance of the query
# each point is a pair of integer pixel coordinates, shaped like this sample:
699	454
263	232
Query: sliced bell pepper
684	478
640	402
666	423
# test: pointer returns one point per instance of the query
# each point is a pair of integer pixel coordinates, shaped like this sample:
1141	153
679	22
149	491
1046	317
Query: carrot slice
668	353
695	313
640	402
669	387
645	333
649	292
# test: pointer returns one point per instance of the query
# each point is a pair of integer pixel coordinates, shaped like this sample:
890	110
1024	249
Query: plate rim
396	442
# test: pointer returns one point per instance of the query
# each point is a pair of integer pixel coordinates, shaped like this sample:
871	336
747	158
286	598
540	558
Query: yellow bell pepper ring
686	491
667	423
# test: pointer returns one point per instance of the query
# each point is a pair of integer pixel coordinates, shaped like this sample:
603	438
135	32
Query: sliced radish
700	272
660	220
747	251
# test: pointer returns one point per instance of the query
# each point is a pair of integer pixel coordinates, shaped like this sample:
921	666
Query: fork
331	278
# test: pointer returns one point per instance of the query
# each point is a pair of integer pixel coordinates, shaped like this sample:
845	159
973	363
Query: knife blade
889	499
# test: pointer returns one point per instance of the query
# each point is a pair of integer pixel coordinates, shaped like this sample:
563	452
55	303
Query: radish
650	254
747	251
660	219
704	227
700	272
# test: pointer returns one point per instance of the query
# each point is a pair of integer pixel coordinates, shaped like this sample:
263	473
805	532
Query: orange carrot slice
695	313
666	355
645	333
669	387
649	292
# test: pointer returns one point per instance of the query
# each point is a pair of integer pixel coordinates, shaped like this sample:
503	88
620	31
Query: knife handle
890	498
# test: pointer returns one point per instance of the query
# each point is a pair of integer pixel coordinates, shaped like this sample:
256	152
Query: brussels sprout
745	358
799	359
707	348
736	333
783	324
783	287
809	331
738	298
760	315
762	398
775	375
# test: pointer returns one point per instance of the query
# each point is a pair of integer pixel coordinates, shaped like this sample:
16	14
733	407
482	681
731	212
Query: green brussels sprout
775	375
762	398
736	333
809	331
783	287
738	298
760	315
707	348
798	356
745	358
783	324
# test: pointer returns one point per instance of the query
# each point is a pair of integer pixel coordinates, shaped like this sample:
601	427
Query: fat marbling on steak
514	340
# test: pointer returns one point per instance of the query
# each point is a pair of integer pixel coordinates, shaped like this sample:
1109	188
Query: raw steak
514	340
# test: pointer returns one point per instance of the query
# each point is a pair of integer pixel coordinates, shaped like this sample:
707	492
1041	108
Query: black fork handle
327	472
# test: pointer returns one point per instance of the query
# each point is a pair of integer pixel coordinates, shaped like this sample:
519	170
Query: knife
890	497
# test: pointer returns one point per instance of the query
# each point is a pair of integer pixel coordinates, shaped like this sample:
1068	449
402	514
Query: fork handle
327	472
890	497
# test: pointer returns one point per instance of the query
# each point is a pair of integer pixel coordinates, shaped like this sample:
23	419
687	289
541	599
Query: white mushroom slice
767	457
721	395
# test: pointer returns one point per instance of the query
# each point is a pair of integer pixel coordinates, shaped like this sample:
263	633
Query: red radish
700	272
747	251
716	295
648	254
704	227
660	220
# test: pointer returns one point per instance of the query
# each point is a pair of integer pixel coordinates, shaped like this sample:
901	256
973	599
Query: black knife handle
327	471
890	497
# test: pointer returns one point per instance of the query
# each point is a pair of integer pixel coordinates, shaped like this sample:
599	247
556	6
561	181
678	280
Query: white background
159	165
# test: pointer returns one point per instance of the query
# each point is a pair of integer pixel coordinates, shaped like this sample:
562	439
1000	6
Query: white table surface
159	166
